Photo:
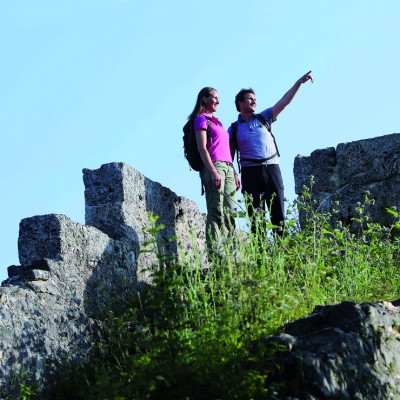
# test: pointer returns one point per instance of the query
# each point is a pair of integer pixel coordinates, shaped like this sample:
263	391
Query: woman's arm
201	138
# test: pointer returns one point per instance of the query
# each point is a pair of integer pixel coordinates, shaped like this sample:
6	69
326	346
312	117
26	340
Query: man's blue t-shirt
254	140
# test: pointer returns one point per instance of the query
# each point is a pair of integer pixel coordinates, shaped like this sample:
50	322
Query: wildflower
188	246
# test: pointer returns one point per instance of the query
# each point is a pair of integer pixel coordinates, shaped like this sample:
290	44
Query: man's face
249	104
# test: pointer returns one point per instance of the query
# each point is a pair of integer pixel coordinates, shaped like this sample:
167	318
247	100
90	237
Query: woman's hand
238	183
216	178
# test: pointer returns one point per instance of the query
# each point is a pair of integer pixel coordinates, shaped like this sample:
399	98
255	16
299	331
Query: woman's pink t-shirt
218	142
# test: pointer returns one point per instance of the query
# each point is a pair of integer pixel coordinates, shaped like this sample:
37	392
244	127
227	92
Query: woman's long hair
198	108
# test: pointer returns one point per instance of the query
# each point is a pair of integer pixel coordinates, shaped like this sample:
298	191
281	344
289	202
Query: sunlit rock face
52	305
344	175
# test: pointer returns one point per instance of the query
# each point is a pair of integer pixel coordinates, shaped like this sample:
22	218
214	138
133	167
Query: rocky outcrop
347	351
343	175
47	301
51	305
118	200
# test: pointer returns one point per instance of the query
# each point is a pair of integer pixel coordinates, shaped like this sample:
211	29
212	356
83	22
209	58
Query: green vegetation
197	333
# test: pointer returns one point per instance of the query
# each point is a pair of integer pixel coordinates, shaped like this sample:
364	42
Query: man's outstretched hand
306	77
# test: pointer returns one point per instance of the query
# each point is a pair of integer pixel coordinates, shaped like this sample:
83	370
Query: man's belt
258	160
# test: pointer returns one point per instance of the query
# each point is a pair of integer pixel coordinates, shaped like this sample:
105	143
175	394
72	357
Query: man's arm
288	96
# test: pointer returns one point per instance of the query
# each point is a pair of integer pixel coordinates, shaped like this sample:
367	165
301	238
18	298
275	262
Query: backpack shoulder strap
263	121
209	131
233	128
268	126
233	143
208	119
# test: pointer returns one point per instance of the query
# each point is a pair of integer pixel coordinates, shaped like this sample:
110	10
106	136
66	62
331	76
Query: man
258	153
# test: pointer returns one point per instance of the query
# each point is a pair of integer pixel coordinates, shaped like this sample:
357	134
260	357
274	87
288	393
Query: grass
197	333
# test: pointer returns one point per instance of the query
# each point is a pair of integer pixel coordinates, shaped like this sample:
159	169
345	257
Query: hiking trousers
220	205
264	185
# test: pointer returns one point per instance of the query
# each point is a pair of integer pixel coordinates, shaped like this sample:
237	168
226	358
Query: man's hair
241	96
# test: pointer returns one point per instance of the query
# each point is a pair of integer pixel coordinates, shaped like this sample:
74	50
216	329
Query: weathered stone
119	200
343	176
51	305
346	351
37	275
79	257
322	165
15	270
45	321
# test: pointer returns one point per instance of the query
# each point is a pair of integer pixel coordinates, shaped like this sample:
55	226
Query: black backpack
190	149
234	143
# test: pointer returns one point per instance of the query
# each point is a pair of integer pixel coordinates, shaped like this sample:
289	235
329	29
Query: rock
345	351
343	176
52	305
118	201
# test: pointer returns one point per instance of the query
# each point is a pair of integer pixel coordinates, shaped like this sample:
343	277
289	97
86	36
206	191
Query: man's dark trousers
265	185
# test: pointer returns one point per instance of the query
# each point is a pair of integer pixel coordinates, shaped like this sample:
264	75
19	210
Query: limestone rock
346	351
52	305
118	201
343	176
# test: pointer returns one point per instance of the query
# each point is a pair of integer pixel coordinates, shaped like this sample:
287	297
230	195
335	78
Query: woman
218	176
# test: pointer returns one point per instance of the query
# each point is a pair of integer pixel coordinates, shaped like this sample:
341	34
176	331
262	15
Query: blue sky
85	83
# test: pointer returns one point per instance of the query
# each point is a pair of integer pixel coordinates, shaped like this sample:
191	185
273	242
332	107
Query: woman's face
212	102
